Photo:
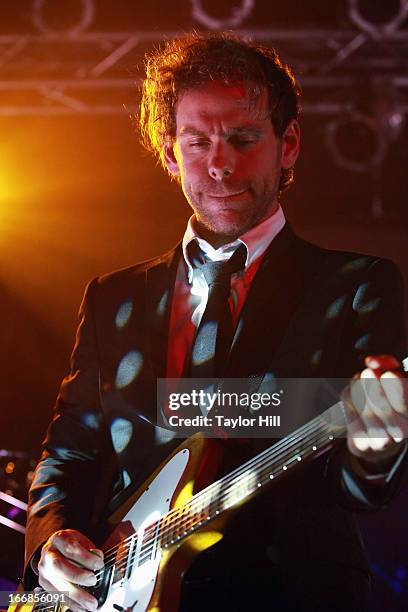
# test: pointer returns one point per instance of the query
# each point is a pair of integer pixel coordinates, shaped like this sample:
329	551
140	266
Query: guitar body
136	580
156	583
182	509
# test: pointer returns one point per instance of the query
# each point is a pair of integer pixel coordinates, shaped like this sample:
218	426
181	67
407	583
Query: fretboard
310	440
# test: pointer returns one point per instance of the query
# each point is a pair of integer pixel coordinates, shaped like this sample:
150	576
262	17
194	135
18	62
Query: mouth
227	196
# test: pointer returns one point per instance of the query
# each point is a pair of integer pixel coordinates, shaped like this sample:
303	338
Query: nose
221	163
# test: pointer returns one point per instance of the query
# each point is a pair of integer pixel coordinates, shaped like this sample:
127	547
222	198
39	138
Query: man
222	116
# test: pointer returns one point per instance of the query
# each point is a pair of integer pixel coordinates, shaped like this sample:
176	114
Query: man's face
229	159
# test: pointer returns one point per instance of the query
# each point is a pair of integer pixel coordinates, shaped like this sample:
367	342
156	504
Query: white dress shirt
191	290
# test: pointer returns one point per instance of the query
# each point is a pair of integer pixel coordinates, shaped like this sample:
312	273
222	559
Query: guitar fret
149	543
131	555
122	561
178	523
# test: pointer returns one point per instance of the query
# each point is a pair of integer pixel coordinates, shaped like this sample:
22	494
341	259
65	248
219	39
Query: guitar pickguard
134	591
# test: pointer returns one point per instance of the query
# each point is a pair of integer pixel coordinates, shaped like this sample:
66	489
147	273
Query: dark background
79	197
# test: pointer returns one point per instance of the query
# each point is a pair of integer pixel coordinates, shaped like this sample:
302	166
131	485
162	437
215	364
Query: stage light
378	18
356	142
45	13
4	189
234	20
359	140
9	469
10	191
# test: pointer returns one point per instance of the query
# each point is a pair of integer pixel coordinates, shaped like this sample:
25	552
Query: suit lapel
160	281
277	290
273	298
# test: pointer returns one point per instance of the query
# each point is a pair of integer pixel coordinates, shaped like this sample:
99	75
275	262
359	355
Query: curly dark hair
196	59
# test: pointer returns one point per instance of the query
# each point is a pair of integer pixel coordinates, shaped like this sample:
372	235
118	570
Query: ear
170	158
290	144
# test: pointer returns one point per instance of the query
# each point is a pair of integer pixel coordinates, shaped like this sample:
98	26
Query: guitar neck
237	487
307	442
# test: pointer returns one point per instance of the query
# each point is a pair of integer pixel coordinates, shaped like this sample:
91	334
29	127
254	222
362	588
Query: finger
367	403
382	396
76	598
77	547
362	439
54	564
70	603
365	432
357	437
358	444
369	398
382	362
396	389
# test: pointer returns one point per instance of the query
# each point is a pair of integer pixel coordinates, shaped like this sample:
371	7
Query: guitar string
39	608
266	457
277	449
148	545
225	494
224	490
265	468
173	517
125	564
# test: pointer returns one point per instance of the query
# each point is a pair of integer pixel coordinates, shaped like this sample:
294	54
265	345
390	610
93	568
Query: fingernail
93	605
360	442
98	564
92	580
396	433
97	552
367	373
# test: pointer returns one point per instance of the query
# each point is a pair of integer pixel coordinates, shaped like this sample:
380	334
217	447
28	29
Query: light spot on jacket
124	313
128	369
121	432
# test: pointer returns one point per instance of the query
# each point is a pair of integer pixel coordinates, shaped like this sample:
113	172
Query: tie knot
219	272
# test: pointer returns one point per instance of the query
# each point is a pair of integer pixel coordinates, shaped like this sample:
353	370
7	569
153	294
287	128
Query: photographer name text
224	422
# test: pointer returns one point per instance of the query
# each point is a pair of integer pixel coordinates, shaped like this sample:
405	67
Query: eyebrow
234	131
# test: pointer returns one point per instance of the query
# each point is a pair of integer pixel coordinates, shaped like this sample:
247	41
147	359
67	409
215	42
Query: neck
217	239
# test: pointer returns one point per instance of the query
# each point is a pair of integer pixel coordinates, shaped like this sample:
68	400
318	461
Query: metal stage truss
97	73
58	61
353	73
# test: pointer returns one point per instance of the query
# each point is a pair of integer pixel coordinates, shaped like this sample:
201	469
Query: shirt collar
256	240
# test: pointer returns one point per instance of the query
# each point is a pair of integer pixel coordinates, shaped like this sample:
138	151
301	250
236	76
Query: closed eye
242	142
198	143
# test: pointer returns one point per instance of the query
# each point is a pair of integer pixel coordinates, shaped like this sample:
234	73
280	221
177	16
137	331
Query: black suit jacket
309	313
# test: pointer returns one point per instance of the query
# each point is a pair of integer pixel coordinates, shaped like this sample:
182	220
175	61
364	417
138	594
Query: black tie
213	338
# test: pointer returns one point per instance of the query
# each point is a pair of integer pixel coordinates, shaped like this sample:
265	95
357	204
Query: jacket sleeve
64	485
377	313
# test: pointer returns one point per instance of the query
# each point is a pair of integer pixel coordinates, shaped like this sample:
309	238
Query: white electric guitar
172	517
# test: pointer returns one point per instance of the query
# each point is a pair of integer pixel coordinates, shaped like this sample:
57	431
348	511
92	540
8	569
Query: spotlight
378	18
356	142
235	20
39	9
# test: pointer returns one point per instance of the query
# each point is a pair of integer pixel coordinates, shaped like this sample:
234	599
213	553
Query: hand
376	407
68	561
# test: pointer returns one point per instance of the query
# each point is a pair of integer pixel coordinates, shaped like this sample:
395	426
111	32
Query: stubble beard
213	226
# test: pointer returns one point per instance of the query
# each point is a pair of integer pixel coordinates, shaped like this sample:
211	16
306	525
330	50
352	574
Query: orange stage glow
75	201
78	198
